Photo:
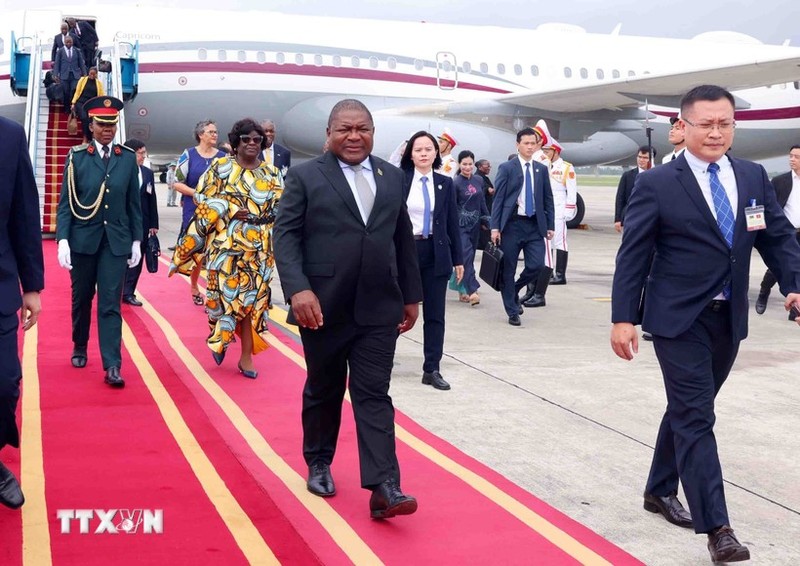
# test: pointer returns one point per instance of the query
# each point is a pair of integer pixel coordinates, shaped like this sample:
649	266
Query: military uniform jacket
119	215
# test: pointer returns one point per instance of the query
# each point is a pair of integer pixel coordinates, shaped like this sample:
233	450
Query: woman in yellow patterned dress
231	234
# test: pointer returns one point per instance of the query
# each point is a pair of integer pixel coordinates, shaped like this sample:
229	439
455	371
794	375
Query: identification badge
755	218
150	190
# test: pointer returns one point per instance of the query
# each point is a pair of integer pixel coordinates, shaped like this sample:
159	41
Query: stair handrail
33	99
116	85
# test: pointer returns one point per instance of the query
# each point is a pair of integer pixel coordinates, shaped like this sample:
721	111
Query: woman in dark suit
432	207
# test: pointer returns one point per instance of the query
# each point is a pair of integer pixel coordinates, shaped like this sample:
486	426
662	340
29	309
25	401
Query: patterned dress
237	254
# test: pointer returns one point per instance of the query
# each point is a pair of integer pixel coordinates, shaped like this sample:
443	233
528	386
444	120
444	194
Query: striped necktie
722	205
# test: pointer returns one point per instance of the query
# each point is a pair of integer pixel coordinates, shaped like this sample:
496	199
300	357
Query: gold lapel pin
380	172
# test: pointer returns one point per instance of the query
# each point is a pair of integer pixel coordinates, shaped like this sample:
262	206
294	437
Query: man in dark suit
99	226
789	201
625	187
68	68
275	154
147	192
348	263
523	215
87	38
703	213
58	40
21	265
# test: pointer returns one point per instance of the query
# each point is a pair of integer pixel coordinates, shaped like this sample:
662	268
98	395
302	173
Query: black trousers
132	273
434	292
368	352
520	234
694	366
10	376
105	272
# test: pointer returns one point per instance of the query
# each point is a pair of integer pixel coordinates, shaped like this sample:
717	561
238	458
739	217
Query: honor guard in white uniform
449	163
676	138
565	196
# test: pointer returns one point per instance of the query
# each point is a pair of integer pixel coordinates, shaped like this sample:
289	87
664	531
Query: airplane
598	93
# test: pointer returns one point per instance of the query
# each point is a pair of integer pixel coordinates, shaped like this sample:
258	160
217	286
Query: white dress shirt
350	175
521	196
792	208
416	202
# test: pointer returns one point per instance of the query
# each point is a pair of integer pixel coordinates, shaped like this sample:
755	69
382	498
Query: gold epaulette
81	147
123	146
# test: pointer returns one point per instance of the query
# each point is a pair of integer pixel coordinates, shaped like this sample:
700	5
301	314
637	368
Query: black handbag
152	251
492	266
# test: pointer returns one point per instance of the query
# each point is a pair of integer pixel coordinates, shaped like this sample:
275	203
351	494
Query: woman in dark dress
432	209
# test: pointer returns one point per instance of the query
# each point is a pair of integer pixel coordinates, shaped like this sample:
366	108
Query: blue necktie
426	212
529	208
722	205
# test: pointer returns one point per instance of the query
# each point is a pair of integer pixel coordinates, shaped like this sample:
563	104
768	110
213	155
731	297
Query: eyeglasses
212	132
708	126
251	139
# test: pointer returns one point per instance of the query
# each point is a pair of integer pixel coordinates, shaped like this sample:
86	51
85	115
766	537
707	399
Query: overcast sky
770	21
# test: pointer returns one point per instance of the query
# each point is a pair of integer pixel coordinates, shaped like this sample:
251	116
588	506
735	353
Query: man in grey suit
21	265
68	68
347	260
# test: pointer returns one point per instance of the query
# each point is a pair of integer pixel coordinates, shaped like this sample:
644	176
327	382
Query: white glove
136	254
64	259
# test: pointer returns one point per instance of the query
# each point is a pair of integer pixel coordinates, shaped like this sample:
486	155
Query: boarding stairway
46	122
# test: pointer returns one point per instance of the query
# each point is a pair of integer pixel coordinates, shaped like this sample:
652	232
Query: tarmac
550	406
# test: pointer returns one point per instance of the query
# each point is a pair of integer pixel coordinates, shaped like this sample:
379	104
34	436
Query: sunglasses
251	139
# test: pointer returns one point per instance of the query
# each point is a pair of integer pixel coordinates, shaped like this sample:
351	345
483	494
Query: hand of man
153	232
793	301
136	254
459	273
624	338
31	307
64	259
496	237
618	226
307	310
550	234
410	314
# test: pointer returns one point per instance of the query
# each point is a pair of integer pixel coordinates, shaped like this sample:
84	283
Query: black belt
717	305
416	237
260	220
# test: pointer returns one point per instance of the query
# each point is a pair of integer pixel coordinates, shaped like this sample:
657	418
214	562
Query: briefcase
492	266
151	252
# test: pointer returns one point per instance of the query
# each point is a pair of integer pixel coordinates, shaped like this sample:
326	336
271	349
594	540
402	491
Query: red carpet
107	449
58	144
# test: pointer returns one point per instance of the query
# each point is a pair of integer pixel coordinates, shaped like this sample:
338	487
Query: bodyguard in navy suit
702	213
431	202
522	216
147	190
21	265
68	68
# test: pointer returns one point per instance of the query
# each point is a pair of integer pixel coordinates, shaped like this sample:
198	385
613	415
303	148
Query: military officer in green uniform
98	230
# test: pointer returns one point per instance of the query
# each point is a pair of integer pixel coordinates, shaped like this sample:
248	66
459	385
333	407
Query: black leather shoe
78	358
536	300
435	378
132	300
761	301
113	378
387	501
320	480
725	547
514	320
670	507
10	492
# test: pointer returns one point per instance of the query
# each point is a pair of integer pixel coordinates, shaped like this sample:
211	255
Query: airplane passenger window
202	54
447	66
280	58
484	68
261	57
355	61
796	85
535	70
222	55
615	74
298	59
600	74
337	61
241	56
418	65
584	73
517	70
631	73
567	72
318	60
466	67
373	62
2	46
392	62
501	69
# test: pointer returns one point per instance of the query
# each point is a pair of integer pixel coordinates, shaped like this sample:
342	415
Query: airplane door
446	70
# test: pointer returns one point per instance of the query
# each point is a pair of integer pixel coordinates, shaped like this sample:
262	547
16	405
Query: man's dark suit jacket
149	203
64	66
447	250
624	190
692	261
21	260
508	184
58	43
361	274
281	157
783	187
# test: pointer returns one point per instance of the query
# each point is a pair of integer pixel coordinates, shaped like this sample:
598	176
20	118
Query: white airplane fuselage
224	65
